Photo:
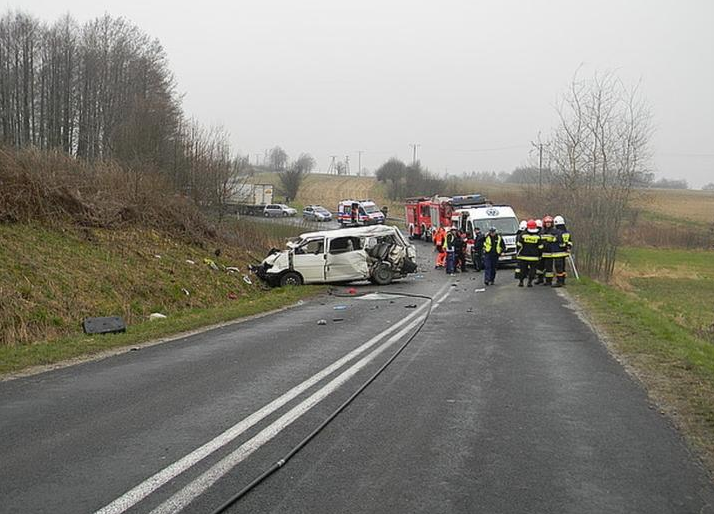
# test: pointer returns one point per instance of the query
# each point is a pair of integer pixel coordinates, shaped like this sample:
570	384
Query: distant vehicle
316	213
278	209
250	198
359	212
502	217
379	254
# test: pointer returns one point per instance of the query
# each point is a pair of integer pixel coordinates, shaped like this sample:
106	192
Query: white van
379	254
502	217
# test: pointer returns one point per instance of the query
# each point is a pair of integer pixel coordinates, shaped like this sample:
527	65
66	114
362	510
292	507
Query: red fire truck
424	215
418	216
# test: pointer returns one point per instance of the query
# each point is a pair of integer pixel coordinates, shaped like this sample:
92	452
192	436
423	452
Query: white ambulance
359	212
502	217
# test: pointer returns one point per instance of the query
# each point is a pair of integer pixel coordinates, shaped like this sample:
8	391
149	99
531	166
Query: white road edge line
191	491
151	484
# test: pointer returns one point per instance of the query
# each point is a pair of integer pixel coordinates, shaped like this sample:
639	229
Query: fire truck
418	216
424	215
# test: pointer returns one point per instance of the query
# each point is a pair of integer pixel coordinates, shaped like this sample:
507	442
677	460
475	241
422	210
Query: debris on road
156	315
337	320
185	291
479	290
247	280
410	306
339	307
322	322
232	269
232	296
189	261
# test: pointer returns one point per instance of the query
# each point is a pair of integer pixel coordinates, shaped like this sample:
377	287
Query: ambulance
353	213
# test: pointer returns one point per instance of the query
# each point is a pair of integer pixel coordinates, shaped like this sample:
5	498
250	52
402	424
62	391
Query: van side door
309	259
346	260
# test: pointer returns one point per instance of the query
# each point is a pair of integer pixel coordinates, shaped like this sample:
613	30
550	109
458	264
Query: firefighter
450	248
477	249
530	247
550	247
493	247
521	229
561	251
439	237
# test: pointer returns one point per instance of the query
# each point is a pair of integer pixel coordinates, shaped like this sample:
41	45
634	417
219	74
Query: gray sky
473	82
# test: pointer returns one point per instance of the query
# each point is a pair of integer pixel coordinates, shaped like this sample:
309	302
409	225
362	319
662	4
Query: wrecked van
378	253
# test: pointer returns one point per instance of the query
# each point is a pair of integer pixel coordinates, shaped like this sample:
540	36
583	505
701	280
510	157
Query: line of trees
403	181
103	91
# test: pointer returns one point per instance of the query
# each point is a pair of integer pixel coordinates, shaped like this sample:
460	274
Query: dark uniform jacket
530	246
550	244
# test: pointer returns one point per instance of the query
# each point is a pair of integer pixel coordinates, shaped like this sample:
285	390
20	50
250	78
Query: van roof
489	211
371	231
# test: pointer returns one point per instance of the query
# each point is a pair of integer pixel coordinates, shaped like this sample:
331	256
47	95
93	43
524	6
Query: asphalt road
504	402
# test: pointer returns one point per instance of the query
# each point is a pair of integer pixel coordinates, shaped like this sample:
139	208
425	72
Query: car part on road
104	325
280	463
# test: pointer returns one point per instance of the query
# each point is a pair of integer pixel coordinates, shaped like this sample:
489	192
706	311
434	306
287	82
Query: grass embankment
53	277
659	318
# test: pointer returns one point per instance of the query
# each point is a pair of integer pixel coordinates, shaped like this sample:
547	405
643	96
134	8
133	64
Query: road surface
505	401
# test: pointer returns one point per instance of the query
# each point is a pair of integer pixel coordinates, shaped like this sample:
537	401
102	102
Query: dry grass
697	206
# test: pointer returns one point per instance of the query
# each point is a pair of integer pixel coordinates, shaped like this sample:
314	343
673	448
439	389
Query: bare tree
278	159
291	178
598	154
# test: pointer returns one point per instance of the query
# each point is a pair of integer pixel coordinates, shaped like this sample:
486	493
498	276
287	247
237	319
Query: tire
266	214
290	278
285	215
381	274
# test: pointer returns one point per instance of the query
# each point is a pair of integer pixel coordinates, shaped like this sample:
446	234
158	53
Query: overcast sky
471	82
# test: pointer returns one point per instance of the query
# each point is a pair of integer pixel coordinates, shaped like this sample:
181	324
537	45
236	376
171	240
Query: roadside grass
77	346
53	277
658	316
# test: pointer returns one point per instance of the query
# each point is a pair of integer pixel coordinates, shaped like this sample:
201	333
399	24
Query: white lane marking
151	484
194	489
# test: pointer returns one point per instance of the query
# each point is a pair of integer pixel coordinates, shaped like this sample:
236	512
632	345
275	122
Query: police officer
493	247
562	247
477	249
530	247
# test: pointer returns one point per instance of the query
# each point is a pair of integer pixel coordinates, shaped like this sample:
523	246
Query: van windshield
503	225
369	209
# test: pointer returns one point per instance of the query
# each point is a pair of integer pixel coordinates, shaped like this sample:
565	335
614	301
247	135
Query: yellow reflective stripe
526	258
557	255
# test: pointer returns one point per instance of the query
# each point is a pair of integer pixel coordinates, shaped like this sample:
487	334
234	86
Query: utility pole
539	147
359	162
333	165
347	164
414	152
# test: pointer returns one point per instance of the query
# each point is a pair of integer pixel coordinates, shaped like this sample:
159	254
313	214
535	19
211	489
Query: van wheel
381	274
266	214
291	278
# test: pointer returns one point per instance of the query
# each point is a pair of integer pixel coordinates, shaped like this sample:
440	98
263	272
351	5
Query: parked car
379	254
278	209
316	213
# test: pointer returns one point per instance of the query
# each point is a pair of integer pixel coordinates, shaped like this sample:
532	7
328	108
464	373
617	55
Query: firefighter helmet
531	225
558	220
539	223
523	225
